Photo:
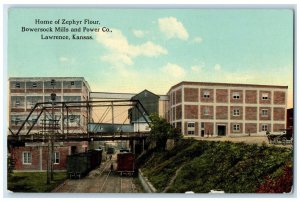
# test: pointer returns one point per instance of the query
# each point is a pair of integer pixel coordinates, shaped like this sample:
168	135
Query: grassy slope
33	181
232	167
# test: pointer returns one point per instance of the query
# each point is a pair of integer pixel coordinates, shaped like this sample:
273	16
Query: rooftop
226	84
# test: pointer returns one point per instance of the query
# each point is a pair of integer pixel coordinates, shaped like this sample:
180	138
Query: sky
155	49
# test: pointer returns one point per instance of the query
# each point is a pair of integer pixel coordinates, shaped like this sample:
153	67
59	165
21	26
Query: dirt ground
100	180
246	139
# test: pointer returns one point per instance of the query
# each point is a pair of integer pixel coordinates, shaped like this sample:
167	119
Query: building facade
25	92
150	102
34	157
221	109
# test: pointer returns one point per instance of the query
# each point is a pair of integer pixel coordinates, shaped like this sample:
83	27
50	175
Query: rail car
79	165
126	163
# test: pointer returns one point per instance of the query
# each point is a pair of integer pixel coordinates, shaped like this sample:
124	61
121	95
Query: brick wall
178	126
17	90
72	90
237	117
269	126
17	109
277	127
208	128
178	97
251	97
231	128
33	90
250	128
221	112
240	100
268	101
52	90
173	98
222	95
265	117
207	99
197	128
178	112
191	111
196	132
210	114
17	155
173	113
279	114
279	97
191	95
251	113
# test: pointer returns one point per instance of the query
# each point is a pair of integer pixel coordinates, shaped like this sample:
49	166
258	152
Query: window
264	112
34	120
34	85
52	83
72	83
190	132
27	158
206	111
191	125
236	127
18	85
236	112
72	119
264	127
56	157
17	120
265	96
206	94
202	125
191	128
236	95
17	102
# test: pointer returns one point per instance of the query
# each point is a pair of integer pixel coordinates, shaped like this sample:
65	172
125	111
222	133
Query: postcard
150	100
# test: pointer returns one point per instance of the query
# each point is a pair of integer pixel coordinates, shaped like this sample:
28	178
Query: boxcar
78	165
125	163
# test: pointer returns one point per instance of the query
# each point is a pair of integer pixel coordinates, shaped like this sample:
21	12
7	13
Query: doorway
221	130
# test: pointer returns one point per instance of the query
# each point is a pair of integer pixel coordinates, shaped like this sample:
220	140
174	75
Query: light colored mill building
25	92
221	109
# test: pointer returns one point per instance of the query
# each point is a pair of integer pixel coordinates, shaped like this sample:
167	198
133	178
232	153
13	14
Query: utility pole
53	98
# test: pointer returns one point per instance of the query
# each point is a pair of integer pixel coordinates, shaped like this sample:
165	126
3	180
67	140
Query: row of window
236	112
16	101
27	158
235	127
236	95
35	84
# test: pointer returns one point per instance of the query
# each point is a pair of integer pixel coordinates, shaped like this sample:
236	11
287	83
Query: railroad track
100	180
67	185
129	185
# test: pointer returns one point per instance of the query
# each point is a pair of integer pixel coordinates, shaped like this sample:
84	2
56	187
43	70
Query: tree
281	184
161	131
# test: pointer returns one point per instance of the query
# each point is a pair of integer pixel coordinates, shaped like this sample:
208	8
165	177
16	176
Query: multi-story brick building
200	108
24	93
